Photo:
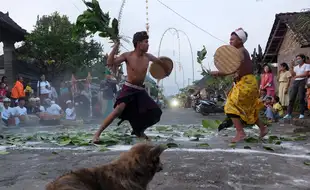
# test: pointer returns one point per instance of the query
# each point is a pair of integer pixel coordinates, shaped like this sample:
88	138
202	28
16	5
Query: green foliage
54	50
94	20
213	83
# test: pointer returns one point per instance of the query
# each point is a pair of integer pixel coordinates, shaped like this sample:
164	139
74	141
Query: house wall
290	48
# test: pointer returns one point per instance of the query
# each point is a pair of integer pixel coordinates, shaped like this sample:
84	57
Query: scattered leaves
251	140
232	145
307	163
3	152
268	148
172	145
204	145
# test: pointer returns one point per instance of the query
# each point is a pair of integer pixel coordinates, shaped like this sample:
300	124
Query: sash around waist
138	87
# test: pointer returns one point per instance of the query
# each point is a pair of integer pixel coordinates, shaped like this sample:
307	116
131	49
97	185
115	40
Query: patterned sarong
243	100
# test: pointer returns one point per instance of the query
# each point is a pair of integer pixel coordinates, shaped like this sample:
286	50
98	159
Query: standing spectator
4	80
300	74
3	92
267	81
17	91
64	94
284	79
43	88
53	93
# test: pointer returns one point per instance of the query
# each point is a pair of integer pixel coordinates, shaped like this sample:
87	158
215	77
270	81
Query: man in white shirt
7	112
20	112
300	75
54	109
70	111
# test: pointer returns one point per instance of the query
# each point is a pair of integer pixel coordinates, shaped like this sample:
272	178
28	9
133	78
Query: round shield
227	59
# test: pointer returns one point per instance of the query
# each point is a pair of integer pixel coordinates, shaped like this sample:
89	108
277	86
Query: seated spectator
20	112
263	94
274	110
38	109
277	108
70	111
7	112
54	110
268	108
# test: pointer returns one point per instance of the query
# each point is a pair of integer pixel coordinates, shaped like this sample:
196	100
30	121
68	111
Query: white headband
241	34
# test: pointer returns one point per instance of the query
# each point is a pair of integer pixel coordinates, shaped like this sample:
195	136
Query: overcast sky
218	17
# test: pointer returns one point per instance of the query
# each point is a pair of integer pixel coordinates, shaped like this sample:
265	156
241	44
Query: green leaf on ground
286	139
273	138
64	142
43	173
172	145
163	128
210	124
251	140
204	145
268	148
307	163
3	152
232	145
278	142
102	148
300	137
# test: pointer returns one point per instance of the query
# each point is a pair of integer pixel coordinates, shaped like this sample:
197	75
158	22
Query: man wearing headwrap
243	104
133	103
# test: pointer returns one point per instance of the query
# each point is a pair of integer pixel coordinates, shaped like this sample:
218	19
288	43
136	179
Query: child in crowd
274	110
263	94
28	90
277	108
70	111
268	109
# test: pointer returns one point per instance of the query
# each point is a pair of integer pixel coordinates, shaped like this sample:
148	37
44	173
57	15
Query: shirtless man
243	102
133	103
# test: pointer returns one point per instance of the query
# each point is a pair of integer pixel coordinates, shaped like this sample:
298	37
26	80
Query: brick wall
290	48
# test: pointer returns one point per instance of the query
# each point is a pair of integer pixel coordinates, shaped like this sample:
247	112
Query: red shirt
2	94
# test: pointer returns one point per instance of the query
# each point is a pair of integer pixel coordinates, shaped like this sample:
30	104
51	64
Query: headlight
174	103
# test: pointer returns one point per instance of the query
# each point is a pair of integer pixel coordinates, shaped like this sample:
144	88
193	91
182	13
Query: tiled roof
298	22
6	21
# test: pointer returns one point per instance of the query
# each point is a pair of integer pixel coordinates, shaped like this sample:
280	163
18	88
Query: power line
195	25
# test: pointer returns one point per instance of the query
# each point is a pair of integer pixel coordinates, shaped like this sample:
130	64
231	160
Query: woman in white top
300	74
43	88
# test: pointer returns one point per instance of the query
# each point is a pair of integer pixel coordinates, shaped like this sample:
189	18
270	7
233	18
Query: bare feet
239	137
96	138
263	131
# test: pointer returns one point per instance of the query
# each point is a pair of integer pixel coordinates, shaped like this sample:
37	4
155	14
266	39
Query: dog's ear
157	150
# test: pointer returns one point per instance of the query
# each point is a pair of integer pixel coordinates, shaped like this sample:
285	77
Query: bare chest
138	64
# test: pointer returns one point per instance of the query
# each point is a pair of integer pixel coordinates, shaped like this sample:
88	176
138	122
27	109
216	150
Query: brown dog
132	171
